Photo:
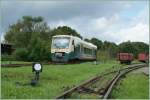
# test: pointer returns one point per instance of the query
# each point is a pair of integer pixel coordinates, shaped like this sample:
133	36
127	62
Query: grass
53	80
83	96
134	86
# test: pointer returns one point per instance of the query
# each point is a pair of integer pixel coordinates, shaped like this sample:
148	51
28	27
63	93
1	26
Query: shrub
6	57
103	56
38	50
21	54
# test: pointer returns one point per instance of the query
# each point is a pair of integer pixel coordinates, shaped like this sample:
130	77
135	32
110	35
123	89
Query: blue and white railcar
65	48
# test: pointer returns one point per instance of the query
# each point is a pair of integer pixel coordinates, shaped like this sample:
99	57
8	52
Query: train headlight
37	67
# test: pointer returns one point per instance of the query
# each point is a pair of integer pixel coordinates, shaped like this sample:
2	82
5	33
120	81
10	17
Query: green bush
103	56
6	57
38	50
21	54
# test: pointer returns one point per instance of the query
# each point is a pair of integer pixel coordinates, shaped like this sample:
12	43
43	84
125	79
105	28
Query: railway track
46	63
20	65
101	85
14	65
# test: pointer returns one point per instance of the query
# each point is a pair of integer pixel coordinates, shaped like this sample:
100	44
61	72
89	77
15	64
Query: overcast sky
115	20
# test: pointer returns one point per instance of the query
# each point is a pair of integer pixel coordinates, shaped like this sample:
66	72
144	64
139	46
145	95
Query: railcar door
77	50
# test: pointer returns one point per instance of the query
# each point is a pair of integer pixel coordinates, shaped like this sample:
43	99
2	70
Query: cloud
114	21
139	32
110	29
55	10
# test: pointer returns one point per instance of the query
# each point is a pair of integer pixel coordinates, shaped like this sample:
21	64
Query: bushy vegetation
20	54
103	56
6	57
112	49
38	50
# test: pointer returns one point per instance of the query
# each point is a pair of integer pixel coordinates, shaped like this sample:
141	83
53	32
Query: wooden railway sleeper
85	90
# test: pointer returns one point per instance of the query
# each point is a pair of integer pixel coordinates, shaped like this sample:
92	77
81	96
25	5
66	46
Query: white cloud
100	23
139	32
104	23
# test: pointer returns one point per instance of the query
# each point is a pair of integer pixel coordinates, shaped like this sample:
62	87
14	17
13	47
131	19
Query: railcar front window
61	43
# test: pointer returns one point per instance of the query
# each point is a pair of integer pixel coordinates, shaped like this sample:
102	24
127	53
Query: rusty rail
117	77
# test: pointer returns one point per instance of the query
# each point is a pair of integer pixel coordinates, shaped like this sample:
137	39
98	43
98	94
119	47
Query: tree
21	54
134	47
20	34
31	38
126	47
111	48
39	50
65	30
141	47
106	47
103	56
97	42
87	40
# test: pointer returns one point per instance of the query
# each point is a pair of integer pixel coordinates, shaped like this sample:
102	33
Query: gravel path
144	70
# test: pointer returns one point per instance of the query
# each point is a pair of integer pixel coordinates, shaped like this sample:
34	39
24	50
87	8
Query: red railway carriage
125	58
143	57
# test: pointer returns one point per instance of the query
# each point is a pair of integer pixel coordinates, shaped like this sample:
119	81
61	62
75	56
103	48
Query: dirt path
144	70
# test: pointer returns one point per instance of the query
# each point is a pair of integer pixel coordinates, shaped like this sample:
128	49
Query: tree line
31	37
108	50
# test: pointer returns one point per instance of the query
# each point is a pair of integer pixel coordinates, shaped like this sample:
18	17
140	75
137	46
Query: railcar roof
63	36
89	44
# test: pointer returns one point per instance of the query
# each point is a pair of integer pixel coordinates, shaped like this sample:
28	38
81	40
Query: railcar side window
78	48
87	51
82	49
